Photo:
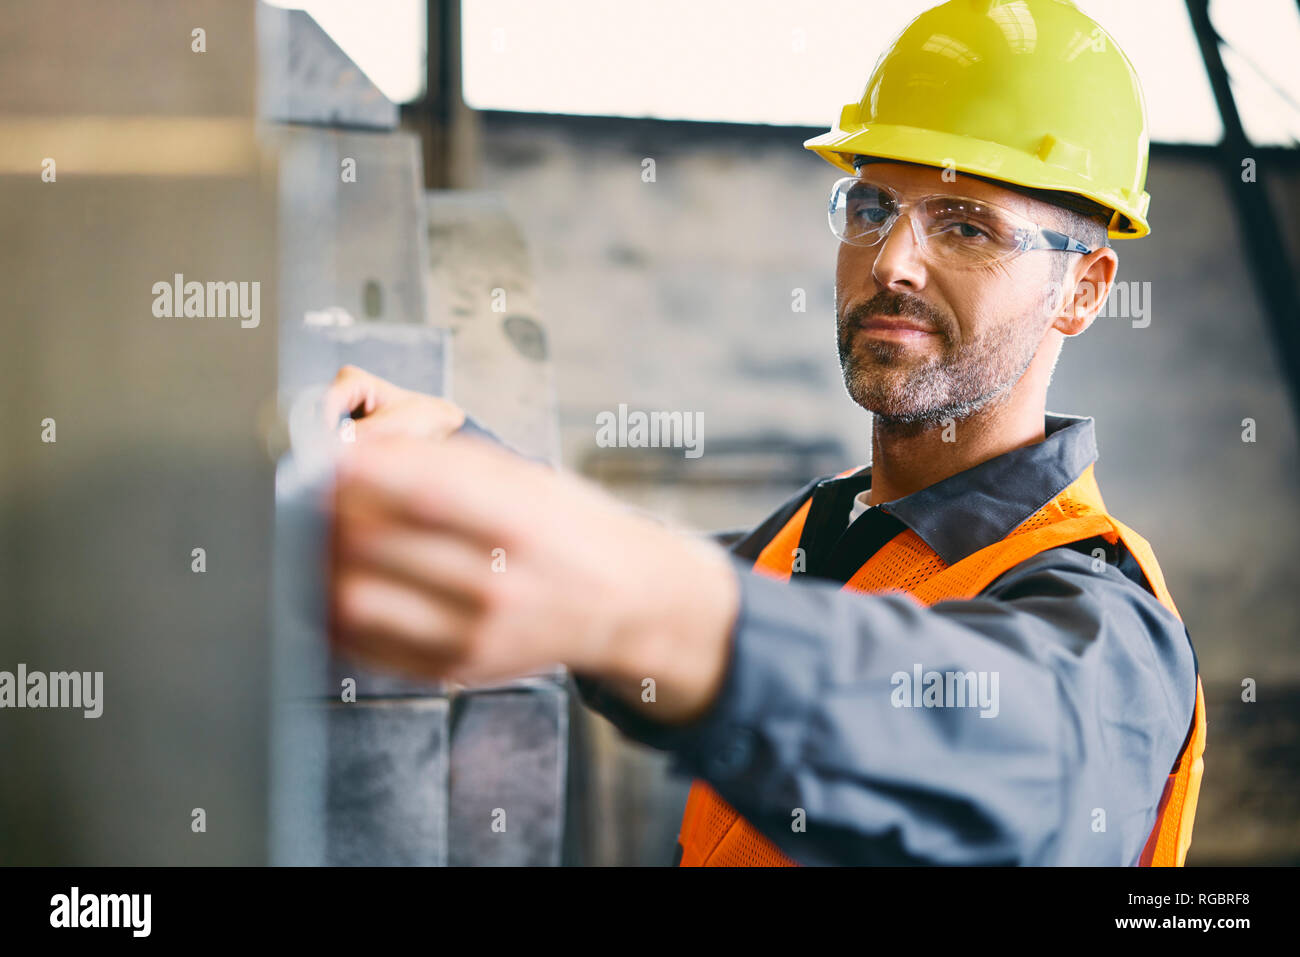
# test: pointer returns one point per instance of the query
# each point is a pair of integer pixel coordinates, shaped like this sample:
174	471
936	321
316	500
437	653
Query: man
952	655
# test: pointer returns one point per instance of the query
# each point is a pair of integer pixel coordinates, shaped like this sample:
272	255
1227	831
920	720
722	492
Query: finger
396	660
351	389
382	620
343	397
374	542
372	426
461	483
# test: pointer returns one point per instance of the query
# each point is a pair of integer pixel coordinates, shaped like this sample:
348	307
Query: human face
971	333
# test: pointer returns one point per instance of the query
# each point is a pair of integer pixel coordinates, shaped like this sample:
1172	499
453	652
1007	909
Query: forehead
910	179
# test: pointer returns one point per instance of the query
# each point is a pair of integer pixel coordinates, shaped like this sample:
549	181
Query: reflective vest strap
971	575
1146	559
1172	835
694	849
776	560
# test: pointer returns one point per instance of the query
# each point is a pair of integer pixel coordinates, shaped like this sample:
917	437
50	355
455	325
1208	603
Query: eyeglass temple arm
1051	239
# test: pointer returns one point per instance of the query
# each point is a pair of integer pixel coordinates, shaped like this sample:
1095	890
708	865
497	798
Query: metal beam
1265	245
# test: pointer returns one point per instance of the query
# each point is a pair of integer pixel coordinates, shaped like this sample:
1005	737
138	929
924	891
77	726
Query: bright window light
1260	41
765	61
385	38
1158	38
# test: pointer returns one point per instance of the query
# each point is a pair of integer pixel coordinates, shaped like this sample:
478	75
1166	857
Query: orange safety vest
713	834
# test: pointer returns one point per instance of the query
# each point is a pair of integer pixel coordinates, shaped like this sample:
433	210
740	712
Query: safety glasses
954	231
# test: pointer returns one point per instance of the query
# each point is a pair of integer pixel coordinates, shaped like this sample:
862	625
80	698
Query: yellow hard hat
1028	92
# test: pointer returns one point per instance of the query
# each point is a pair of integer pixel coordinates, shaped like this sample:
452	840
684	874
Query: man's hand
458	560
386	409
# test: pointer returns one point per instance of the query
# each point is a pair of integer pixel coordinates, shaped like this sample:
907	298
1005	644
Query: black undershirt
833	549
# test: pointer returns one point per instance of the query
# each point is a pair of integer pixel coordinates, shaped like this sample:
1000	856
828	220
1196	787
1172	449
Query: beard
903	386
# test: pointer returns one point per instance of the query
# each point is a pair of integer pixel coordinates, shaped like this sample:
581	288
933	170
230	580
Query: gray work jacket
840	709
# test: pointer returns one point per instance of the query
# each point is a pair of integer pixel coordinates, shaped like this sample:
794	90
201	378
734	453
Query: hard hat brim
966	154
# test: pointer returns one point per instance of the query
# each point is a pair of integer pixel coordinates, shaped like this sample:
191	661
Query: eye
868	205
875	214
965	230
869	209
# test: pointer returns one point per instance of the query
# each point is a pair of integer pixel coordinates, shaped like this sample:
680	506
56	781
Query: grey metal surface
357	777
308	79
387	790
410	356
156	452
371	780
361	781
367	782
508	775
353	291
304	666
350	252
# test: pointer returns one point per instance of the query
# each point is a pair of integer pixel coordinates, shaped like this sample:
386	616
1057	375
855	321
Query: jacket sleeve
473	427
1081	689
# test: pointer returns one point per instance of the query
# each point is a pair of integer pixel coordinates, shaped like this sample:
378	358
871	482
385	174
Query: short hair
1077	216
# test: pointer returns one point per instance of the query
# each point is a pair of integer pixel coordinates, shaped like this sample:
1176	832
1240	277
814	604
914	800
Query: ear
1084	290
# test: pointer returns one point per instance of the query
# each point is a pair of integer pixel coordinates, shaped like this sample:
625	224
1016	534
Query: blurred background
500	242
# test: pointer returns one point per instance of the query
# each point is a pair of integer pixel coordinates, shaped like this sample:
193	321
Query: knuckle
347	537
496	598
350	602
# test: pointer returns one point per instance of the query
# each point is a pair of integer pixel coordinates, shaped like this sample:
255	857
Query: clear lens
965	230
955	230
859	211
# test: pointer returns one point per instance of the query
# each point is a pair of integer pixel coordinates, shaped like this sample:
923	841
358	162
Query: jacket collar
971	510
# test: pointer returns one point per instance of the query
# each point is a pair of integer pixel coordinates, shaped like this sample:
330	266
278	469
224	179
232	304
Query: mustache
893	304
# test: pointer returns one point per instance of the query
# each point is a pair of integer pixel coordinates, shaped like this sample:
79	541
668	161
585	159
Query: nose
899	265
